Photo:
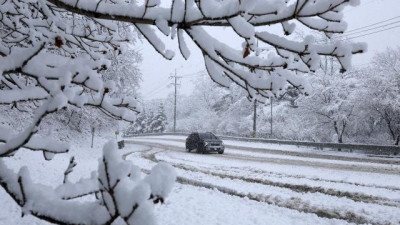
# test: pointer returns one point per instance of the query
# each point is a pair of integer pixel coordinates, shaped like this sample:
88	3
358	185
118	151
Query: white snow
331	185
277	192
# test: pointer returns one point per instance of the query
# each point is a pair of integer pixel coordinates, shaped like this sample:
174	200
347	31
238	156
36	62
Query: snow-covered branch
123	193
262	75
54	54
53	59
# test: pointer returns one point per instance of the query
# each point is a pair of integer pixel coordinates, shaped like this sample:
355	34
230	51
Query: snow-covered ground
244	186
350	187
48	173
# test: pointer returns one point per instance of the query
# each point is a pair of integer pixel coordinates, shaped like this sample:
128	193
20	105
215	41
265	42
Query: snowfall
251	183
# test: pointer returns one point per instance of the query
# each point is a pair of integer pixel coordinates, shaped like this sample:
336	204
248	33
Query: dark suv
204	142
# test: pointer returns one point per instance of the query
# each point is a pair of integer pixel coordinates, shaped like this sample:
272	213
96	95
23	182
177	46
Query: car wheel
221	152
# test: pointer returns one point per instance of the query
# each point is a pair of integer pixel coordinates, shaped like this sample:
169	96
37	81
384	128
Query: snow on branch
69	169
123	194
54	53
53	59
36	143
14	142
260	74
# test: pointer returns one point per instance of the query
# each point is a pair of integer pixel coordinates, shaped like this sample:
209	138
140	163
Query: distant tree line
359	106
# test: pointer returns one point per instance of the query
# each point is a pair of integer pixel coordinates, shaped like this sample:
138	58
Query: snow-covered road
324	187
250	184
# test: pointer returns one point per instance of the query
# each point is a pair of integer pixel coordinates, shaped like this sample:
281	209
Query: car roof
202	133
209	134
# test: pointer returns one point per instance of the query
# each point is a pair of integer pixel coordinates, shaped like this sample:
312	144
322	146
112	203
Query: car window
208	136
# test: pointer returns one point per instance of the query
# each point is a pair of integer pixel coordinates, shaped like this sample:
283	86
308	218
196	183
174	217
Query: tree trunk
389	124
255	119
339	134
70	117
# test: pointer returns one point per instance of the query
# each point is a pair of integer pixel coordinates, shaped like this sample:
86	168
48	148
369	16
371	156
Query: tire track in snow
296	153
293	203
334	166
357	168
149	148
280	175
355	196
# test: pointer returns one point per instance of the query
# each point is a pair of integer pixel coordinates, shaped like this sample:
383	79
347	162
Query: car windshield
207	136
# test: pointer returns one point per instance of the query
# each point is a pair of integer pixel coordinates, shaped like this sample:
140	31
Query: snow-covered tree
331	103
149	122
158	121
381	86
139	126
54	53
124	71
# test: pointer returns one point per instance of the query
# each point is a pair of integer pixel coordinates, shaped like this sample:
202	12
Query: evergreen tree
139	126
159	121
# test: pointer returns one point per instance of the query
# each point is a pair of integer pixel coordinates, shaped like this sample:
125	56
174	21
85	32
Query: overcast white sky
156	69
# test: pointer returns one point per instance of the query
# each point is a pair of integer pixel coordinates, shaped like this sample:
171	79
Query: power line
350	37
195	74
374	24
157	88
158	84
379	31
192	76
362	29
165	83
362	32
373	28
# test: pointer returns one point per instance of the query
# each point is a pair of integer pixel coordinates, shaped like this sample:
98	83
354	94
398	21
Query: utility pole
255	119
271	114
175	103
326	60
175	83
